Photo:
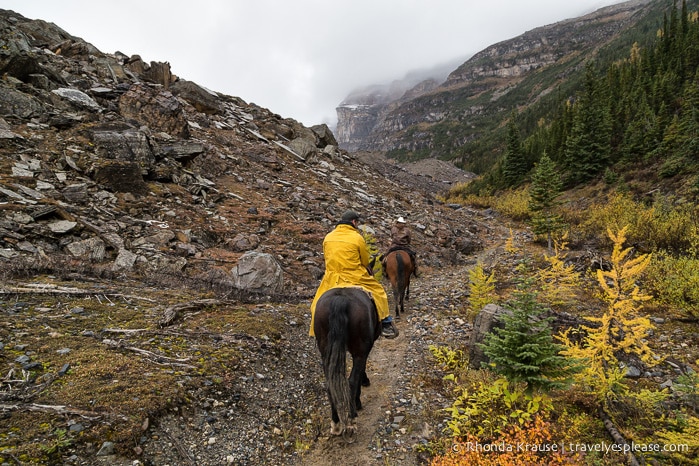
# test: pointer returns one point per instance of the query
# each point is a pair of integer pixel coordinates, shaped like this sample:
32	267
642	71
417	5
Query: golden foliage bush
558	282
674	282
510	246
373	250
663	225
683	439
532	443
482	289
513	204
485	409
458	193
450	359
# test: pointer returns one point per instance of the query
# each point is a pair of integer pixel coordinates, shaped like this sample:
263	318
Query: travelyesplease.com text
570	447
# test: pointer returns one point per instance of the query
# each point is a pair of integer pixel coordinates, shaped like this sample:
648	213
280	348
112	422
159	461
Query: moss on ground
78	371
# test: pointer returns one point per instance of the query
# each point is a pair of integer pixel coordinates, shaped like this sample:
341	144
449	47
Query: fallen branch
616	435
58	409
125	331
60	290
174	312
156	358
181	449
224	337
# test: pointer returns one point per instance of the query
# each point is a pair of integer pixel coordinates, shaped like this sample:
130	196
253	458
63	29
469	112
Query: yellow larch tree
482	289
621	328
558	282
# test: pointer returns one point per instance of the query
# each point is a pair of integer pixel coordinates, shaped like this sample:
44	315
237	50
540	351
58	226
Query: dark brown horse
398	267
345	319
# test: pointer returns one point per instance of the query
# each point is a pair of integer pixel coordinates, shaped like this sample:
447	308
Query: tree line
640	111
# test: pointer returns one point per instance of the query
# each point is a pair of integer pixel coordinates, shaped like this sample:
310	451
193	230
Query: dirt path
384	371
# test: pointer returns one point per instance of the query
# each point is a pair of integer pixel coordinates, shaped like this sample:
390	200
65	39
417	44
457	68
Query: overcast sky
298	58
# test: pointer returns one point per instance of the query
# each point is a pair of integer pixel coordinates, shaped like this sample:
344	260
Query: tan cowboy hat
401	220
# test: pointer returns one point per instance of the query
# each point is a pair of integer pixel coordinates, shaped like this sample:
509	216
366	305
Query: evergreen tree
524	350
640	135
514	166
689	121
588	146
545	188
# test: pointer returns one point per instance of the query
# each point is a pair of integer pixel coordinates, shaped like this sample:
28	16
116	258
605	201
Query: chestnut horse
345	319
398	267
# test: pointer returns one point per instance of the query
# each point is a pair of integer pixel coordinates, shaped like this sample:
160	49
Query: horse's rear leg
335	424
356	380
397	298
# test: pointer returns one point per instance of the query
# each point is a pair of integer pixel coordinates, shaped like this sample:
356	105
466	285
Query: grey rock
78	97
62	226
106	449
91	248
490	317
258	272
125	260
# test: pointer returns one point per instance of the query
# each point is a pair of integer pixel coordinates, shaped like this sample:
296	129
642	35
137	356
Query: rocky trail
279	414
402	407
274	410
271	406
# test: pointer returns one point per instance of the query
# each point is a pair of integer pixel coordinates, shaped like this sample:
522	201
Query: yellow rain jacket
346	262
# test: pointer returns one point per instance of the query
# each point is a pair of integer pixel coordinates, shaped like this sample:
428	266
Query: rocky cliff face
113	166
359	112
472	91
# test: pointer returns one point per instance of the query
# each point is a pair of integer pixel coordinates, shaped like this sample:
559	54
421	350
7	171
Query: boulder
258	272
78	98
124	260
243	242
121	176
325	136
91	248
302	147
201	99
128	145
490	317
155	108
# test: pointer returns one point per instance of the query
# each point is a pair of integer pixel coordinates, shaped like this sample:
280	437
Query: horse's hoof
335	428
350	432
366	382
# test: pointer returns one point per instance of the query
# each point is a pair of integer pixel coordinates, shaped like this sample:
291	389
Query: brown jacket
400	235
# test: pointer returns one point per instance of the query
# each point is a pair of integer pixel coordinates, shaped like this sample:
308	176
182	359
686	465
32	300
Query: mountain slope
471	104
117	164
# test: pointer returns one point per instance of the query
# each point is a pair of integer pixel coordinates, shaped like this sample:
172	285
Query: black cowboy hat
350	215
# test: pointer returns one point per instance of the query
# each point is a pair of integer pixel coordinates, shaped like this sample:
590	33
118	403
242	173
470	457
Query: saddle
400	247
368	293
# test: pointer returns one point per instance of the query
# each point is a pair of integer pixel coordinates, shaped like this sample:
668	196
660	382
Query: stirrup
387	335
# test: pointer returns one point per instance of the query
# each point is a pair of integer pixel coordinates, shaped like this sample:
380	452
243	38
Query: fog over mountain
294	58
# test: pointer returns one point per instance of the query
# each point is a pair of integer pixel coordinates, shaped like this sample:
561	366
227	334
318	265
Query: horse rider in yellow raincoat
347	264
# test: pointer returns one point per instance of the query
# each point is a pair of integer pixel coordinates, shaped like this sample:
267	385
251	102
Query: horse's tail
336	355
400	271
